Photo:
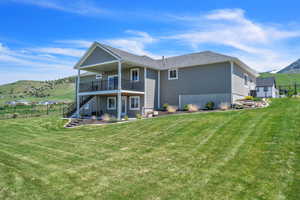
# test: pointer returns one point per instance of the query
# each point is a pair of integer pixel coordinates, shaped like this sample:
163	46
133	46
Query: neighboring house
120	83
18	102
48	102
266	87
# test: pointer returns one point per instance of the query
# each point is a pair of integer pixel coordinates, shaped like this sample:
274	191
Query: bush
193	108
248	98
138	116
126	118
165	106
257	99
224	106
210	105
15	115
186	107
106	117
171	109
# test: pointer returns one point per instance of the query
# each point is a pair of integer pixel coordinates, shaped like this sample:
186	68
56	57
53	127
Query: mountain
35	91
291	69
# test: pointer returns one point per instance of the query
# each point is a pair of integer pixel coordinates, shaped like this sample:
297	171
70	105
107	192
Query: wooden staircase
73	123
71	109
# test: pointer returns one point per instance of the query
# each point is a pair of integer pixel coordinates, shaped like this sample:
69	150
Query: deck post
77	95
119	90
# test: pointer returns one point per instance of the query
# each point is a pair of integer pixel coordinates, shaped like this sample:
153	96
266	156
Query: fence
20	111
292	89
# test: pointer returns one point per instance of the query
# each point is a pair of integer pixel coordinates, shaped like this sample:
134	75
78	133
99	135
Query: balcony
105	85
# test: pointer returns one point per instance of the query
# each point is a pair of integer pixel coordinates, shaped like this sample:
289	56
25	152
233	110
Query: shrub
186	107
138	116
193	108
257	99
224	106
15	115
106	117
126	118
171	109
210	105
249	98
165	106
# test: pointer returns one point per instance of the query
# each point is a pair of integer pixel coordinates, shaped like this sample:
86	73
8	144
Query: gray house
121	83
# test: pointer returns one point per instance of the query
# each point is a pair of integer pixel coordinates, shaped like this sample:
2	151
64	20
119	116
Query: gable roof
187	60
265	82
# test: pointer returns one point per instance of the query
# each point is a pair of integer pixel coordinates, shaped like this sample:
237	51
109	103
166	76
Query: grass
284	79
248	154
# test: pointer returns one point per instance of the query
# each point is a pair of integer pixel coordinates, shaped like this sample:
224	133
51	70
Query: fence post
47	109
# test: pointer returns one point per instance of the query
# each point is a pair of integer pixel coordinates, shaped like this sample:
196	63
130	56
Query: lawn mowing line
230	155
38	154
216	130
222	179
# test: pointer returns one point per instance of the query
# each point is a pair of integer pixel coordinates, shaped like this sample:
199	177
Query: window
134	102
257	89
266	89
245	79
111	103
173	74
135	74
98	76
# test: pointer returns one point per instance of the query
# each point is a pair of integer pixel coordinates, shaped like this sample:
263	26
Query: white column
119	90
158	89
231	80
145	89
77	97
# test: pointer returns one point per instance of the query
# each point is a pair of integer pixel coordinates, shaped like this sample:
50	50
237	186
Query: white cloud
60	51
263	43
135	44
81	7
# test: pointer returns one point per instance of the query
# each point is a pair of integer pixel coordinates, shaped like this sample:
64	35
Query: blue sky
43	39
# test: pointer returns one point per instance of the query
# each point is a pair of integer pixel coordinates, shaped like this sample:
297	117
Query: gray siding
207	79
98	56
239	89
125	75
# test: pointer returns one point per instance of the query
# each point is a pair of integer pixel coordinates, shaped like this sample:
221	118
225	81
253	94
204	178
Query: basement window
134	102
173	74
111	103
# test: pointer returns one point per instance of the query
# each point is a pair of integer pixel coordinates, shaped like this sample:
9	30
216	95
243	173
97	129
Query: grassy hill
61	89
283	79
248	154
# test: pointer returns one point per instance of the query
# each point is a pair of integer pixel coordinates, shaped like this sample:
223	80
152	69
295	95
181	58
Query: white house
266	87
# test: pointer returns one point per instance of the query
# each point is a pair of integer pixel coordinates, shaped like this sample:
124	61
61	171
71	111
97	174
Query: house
266	87
120	83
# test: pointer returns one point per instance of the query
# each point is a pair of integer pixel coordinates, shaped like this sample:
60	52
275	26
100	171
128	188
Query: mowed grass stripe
250	154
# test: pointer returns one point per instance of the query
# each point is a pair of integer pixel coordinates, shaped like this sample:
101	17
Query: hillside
283	79
292	68
61	89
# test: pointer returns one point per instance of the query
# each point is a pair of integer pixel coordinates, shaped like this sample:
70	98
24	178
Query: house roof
265	82
187	60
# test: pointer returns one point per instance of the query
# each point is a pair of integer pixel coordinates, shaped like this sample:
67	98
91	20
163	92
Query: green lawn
248	154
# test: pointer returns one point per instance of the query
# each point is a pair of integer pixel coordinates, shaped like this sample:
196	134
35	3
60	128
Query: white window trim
135	69
115	100
99	76
169	78
139	103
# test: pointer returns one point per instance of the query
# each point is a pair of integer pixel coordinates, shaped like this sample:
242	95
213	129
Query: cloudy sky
43	39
